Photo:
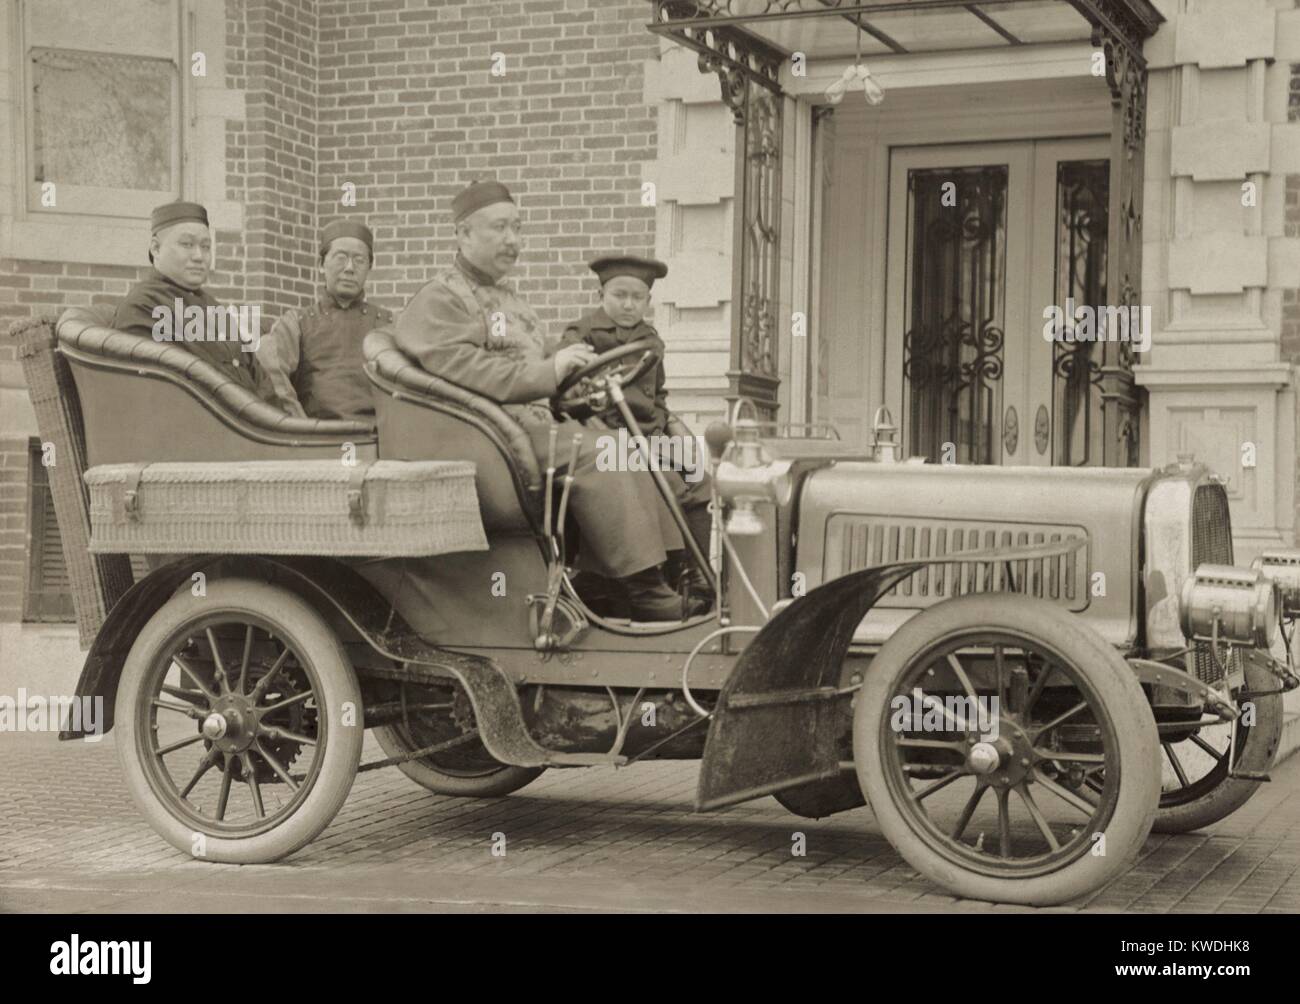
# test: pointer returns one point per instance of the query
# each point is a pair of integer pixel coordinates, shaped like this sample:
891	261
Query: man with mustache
469	326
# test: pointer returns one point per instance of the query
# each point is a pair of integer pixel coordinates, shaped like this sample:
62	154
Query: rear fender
780	719
332	587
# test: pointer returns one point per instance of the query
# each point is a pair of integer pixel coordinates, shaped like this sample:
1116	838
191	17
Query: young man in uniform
625	282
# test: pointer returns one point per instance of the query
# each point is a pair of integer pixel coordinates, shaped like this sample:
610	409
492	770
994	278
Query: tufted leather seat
424	417
102	357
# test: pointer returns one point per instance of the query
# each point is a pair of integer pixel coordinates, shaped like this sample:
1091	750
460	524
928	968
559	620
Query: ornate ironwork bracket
737	57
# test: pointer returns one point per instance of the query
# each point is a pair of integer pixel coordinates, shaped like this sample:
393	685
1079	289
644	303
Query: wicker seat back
98	580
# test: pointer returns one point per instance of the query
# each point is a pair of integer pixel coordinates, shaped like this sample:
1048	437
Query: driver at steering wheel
467	325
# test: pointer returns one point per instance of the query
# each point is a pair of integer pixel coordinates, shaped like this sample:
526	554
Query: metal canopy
754	37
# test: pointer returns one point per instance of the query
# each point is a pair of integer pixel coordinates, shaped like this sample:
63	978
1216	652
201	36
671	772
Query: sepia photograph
650	457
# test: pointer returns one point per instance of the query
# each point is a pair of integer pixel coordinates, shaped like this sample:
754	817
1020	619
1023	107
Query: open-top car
1020	670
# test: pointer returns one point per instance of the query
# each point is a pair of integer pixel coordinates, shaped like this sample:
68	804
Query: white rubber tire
1046	625
313	639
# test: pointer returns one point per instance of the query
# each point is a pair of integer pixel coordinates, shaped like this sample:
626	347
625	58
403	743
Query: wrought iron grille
955	307
1082	215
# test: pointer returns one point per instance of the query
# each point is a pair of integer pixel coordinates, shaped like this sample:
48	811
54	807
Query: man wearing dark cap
467	325
625	282
312	355
180	251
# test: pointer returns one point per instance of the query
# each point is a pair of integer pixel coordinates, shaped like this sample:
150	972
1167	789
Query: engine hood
856	515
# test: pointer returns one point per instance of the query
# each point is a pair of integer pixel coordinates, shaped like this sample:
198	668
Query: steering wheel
584	390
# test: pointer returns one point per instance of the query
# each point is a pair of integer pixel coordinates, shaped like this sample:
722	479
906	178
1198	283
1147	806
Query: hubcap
983	758
214	726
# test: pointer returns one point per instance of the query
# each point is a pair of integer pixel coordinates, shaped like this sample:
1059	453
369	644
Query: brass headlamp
1229	604
1283	568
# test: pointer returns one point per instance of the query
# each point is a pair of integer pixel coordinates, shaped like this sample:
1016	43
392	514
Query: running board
1249	775
495	699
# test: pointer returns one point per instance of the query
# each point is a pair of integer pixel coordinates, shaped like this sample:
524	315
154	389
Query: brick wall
410	112
397	97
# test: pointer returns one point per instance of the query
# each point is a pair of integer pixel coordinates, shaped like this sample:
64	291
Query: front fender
780	718
331	586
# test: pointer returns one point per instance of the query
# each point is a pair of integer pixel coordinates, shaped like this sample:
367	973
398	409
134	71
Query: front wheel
240	722
1007	750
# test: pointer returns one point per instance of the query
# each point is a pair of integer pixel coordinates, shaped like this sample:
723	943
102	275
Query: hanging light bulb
856	76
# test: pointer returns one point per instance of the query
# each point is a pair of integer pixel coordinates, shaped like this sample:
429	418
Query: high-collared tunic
647	397
312	357
135	314
481	335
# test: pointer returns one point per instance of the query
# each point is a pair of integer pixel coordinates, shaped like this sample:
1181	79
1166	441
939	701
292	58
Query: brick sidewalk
591	839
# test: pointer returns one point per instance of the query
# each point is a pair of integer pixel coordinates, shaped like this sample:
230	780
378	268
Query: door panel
983	238
958	227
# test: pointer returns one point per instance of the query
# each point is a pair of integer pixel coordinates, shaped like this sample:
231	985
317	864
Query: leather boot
650	597
693	583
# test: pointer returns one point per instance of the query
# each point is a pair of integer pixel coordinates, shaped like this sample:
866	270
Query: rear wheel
465	769
1196	789
976	732
240	722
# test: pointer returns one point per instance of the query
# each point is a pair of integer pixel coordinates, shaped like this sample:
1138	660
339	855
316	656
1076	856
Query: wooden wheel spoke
968	810
275	732
1027	797
286	702
206	764
254	789
1004	822
1036	691
1081	706
1000	673
182	693
933	744
197	680
218	669
265	681
1067	756
243	661
938	784
1207	748
179	744
1065	794
1176	764
223	797
188	710
955	665
275	764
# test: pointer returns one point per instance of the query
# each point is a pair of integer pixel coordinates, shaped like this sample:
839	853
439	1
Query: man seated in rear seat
312	355
180	251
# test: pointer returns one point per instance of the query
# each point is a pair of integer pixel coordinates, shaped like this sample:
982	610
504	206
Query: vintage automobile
1020	670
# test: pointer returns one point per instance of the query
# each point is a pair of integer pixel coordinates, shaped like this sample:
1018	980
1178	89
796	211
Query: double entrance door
982	239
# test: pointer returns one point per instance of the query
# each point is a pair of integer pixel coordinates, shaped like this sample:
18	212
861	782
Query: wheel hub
1006	761
231	726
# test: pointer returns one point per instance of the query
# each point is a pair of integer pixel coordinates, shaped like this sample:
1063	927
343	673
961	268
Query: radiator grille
1212	544
857	542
